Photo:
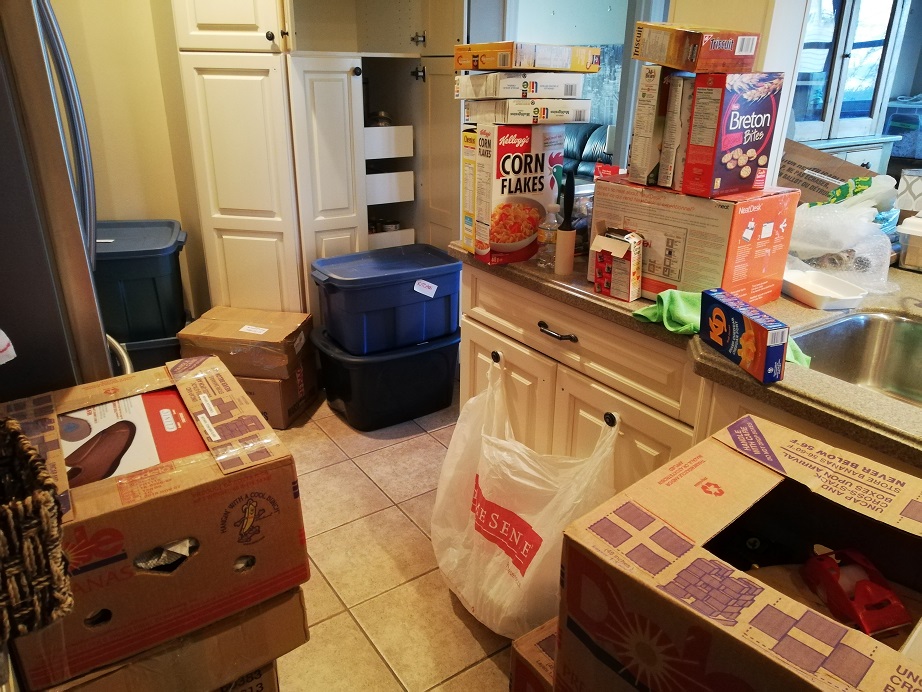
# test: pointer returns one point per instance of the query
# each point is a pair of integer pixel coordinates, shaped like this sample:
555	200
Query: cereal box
527	111
649	125
511	55
468	164
695	49
752	339
522	85
517	175
617	256
675	131
732	126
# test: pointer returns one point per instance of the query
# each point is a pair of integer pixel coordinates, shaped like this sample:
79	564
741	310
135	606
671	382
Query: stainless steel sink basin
874	350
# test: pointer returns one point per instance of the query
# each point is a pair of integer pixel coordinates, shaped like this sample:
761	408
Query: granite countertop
866	416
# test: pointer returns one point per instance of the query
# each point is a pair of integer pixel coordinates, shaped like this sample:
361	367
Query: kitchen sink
875	350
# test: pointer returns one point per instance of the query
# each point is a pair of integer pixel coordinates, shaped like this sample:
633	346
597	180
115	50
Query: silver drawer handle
542	325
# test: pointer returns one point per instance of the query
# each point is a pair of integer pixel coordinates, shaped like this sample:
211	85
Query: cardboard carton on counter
814	172
655	585
208	527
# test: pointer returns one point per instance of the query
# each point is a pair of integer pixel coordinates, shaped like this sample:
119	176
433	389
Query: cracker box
694	49
512	55
159	547
660	588
752	339
531	668
527	111
617	259
522	85
675	131
649	125
468	189
731	131
516	178
739	243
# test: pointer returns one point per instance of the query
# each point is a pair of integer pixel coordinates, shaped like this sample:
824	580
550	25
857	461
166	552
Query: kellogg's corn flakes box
518	171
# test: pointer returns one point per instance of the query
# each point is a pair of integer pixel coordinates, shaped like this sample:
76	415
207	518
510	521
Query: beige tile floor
381	616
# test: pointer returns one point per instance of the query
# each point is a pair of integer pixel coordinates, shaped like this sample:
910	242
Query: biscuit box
675	130
205	529
660	586
739	242
516	176
527	111
531	667
524	85
752	339
694	49
649	125
511	55
731	131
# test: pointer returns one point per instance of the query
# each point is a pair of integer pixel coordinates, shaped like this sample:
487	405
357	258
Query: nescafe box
730	135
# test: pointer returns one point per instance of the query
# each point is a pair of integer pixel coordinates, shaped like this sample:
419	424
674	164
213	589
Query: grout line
377	650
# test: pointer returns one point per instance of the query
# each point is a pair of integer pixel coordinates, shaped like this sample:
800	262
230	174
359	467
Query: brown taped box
815	173
660	582
282	401
251	343
531	668
236	496
235	654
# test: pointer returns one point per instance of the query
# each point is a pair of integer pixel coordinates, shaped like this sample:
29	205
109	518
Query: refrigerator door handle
73	106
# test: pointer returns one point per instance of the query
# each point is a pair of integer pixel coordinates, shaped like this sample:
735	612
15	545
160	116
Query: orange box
512	55
738	243
693	48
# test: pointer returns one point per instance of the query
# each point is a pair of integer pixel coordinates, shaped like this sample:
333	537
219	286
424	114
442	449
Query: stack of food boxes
512	156
182	528
704	123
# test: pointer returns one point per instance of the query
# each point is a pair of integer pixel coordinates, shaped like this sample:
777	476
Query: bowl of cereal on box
514	223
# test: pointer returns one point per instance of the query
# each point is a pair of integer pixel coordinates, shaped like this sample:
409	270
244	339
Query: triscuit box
527	111
531	668
524	85
752	339
236	654
649	125
511	55
516	177
655	590
731	131
675	131
617	259
469	188
739	243
815	173
282	401
251	343
164	550
694	49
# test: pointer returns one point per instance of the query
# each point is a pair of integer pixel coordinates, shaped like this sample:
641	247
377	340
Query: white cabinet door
237	25
529	379
647	439
444	24
241	152
328	131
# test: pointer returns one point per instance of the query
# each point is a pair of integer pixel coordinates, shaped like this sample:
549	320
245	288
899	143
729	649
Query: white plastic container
821	290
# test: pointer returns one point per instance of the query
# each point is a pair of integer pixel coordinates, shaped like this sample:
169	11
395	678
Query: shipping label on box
468	188
617	260
752	339
527	111
675	131
531	668
524	85
739	243
649	125
694	49
731	131
510	55
516	177
670	567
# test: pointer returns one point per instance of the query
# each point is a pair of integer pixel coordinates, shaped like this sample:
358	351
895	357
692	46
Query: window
845	68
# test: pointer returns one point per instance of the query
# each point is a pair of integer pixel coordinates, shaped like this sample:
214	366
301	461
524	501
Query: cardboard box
527	111
815	173
731	131
752	339
230	515
517	175
511	55
617	259
282	401
655	589
251	343
649	125
675	131
693	243
235	654
694	49
524	85
531	668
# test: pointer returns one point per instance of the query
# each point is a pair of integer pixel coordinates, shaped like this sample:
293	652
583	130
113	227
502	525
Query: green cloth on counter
680	312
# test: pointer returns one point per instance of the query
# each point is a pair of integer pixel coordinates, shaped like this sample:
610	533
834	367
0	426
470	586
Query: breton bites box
517	175
522	85
512	55
660	588
531	668
739	243
731	131
694	49
170	547
527	111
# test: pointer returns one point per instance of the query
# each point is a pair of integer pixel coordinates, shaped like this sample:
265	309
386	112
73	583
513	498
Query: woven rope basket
34	585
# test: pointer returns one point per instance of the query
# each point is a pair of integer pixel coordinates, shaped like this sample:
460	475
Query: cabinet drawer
641	367
386	188
868	158
388	142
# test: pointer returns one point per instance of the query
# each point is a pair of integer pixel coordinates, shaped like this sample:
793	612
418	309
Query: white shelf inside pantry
388	188
392	142
402	236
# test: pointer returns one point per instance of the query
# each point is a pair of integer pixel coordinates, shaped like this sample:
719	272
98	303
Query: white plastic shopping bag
500	511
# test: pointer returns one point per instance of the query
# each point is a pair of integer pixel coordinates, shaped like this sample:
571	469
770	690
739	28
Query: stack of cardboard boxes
512	158
183	530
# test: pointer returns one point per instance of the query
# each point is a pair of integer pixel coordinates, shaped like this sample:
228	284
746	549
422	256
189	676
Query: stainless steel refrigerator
48	304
